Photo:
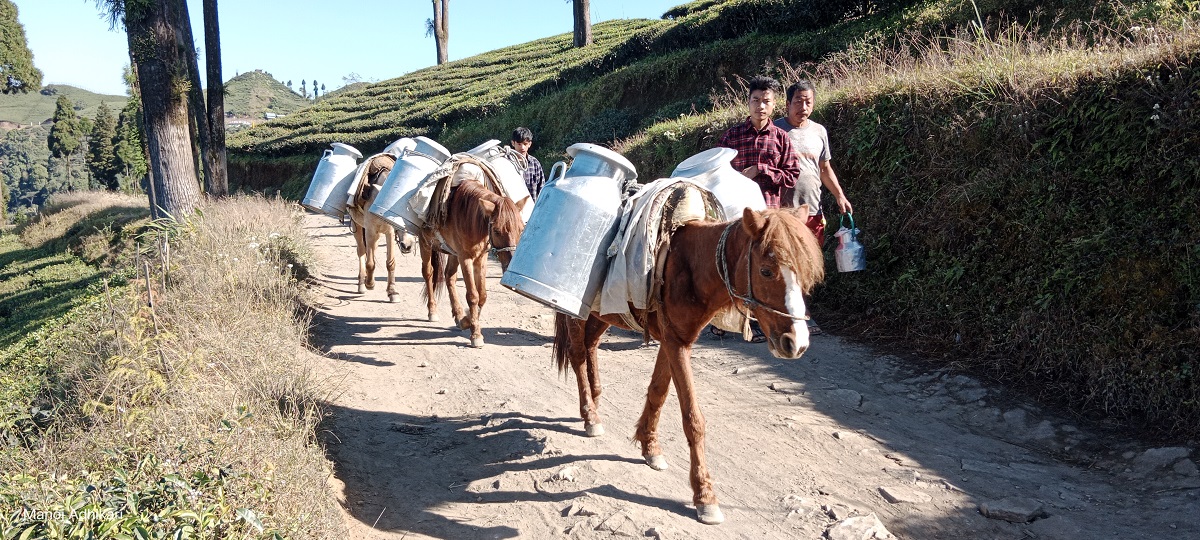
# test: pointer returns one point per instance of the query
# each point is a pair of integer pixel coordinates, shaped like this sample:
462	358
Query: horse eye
766	272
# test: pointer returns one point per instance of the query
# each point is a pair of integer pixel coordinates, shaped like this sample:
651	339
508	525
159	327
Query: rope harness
749	301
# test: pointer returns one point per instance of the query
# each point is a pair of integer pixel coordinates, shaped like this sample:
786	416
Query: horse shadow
443	477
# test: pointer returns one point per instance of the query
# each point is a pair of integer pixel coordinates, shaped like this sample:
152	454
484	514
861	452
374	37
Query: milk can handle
561	168
842	222
327	153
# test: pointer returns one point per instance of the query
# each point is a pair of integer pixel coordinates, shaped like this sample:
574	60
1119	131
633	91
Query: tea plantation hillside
1024	173
254	93
37	107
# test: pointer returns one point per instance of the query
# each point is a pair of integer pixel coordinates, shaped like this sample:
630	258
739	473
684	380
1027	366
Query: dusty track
431	438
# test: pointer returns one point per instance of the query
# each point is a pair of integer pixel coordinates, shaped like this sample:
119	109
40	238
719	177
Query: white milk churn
411	167
711	169
512	179
331	181
396	149
561	260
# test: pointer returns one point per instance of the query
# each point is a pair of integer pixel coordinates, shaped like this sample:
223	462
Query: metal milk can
512	179
396	149
711	169
410	169
561	260
332	179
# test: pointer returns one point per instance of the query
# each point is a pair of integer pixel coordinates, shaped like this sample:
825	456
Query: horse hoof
594	430
433	317
658	463
392	297
710	514
477	342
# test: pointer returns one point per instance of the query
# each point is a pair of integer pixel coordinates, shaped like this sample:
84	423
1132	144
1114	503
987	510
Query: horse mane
464	204
795	246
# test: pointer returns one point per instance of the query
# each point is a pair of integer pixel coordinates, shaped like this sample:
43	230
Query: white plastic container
332	179
849	253
711	169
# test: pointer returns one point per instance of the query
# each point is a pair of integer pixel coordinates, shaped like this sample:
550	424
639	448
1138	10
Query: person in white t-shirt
810	141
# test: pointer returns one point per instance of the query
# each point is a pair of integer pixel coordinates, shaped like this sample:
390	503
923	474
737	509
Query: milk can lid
346	150
400	146
432	148
481	150
603	153
704	162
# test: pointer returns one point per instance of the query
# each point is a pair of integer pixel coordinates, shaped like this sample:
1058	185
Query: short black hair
522	134
802	84
761	82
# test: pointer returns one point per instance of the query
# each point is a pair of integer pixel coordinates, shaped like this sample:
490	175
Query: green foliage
17	72
101	156
66	132
23	159
129	146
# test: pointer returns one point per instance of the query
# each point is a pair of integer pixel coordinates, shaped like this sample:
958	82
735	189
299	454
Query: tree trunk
141	122
215	160
199	112
153	43
583	23
441	29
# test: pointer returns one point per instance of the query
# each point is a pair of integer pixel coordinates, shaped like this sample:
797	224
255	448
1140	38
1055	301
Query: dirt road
434	439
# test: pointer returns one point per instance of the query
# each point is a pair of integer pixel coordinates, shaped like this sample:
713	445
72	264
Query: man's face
762	105
522	147
800	107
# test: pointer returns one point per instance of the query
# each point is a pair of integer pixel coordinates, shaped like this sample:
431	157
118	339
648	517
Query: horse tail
439	270
562	341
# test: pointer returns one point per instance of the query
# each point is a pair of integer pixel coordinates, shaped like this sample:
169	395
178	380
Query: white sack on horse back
642	233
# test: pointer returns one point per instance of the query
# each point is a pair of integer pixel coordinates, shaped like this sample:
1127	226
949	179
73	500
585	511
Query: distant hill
37	107
254	93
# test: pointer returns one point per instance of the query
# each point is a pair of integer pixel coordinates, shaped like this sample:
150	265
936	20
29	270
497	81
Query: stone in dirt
845	397
1056	528
566	474
1185	467
1013	509
618	524
1159	458
900	494
1015	419
859	528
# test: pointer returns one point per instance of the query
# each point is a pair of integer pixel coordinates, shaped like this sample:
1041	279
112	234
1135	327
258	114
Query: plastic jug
849	253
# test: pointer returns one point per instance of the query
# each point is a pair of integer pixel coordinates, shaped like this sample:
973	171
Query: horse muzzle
788	346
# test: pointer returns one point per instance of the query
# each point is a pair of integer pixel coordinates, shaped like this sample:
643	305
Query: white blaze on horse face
793	298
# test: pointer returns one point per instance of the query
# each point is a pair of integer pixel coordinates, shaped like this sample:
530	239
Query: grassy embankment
1024	172
190	417
36	107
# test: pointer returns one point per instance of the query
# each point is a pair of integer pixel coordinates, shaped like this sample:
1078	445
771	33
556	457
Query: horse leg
480	278
371	241
450	278
429	273
389	235
570	346
471	284
678	357
360	239
647	426
593	330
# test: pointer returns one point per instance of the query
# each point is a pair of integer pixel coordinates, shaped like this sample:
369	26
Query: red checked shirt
771	150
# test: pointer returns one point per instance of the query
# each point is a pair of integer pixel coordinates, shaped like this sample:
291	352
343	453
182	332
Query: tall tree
303	89
65	134
17	73
439	28
130	143
152	27
198	122
101	154
216	160
583	23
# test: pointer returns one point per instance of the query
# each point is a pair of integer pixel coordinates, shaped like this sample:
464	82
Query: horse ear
488	207
521	204
801	211
753	222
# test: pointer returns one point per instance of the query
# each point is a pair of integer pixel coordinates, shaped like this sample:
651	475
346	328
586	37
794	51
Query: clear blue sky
306	39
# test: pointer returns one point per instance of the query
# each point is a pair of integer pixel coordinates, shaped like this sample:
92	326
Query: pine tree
303	90
129	145
17	73
65	133
101	155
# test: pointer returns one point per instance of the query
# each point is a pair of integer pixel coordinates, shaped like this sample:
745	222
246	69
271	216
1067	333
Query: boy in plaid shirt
764	152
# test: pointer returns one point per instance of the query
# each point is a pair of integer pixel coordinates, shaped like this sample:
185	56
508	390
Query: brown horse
763	263
368	227
476	218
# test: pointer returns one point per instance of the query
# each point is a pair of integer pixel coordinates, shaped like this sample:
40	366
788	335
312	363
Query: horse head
783	263
506	226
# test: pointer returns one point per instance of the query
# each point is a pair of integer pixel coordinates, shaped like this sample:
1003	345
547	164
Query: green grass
36	107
